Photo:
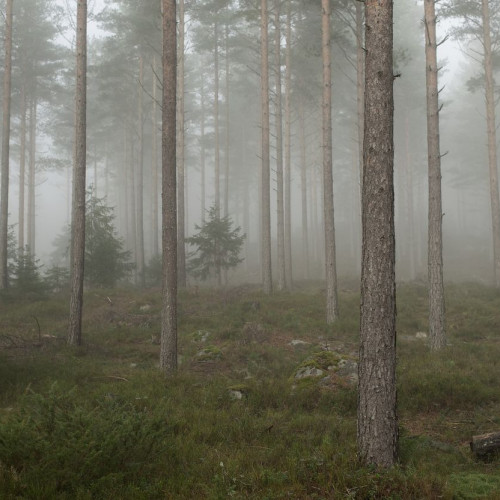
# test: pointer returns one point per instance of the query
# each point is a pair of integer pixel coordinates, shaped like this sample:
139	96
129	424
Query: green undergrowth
101	422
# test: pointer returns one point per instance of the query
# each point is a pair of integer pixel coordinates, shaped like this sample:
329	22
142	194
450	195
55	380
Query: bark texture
168	343
492	139
331	269
4	191
377	419
79	174
265	182
437	331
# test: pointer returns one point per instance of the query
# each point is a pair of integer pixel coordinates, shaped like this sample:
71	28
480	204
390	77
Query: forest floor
101	422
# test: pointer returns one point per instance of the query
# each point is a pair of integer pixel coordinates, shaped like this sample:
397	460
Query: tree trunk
330	264
181	190
288	136
22	169
154	160
492	140
303	187
360	87
377	419
437	333
216	118
409	201
140	181
79	170
227	145
168	344
266	183
279	150
32	177
202	148
4	191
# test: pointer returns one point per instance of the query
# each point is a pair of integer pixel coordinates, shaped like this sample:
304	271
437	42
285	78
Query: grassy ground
100	422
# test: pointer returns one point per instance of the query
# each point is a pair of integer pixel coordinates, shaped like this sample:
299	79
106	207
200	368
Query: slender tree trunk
216	118
279	150
132	203
266	183
303	187
226	156
360	86
32	177
140	181
154	159
168	346
202	149
181	189
377	418
492	139
78	211
409	201
330	254
437	331
22	168
4	191
288	162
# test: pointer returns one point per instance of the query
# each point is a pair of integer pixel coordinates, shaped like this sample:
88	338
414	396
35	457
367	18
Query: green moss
472	485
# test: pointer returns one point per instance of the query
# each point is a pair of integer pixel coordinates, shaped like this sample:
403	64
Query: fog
123	32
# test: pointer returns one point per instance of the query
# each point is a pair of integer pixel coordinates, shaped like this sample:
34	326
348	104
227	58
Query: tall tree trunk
437	332
409	201
4	191
288	162
216	118
202	148
330	254
22	168
79	170
227	145
303	188
377	418
181	189
168	345
492	139
279	150
32	176
132	202
154	159
360	86
266	182
140	181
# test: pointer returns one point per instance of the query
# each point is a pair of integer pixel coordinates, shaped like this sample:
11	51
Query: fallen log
485	444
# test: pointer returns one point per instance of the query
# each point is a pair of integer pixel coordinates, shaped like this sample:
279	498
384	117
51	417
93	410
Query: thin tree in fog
168	342
377	418
140	260
279	148
154	161
328	207
181	190
4	192
265	163
437	333
77	254
287	145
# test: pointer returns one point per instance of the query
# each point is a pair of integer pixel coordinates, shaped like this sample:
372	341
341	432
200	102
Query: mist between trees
219	135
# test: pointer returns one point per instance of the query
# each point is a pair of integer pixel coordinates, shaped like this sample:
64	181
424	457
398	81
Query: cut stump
485	444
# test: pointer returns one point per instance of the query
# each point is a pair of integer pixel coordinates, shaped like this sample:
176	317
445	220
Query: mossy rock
209	353
200	336
323	363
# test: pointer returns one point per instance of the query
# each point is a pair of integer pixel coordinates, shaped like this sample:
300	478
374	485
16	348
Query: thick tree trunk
141	279
330	263
266	184
288	136
437	332
492	139
181	189
79	171
4	191
279	150
168	344
377	419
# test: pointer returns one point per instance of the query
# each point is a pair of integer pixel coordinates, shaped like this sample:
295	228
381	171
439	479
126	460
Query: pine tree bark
288	157
141	279
154	160
437	331
168	343
279	150
377	419
79	173
4	190
492	139
303	188
265	181
328	207
181	176
22	170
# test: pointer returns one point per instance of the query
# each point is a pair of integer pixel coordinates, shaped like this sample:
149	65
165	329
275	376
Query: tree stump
485	444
